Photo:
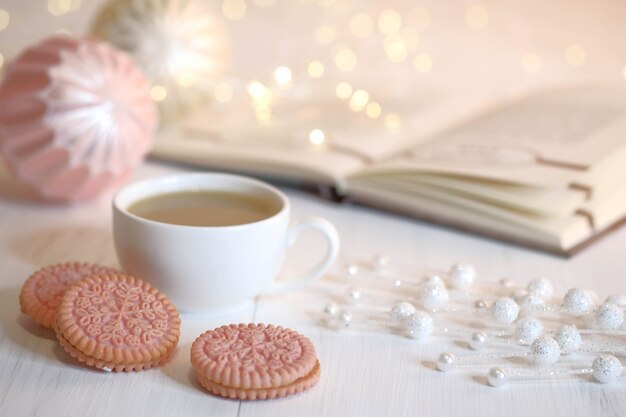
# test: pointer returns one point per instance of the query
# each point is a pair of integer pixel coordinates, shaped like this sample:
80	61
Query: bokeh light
423	63
234	9
343	90
389	22
477	16
158	93
395	48
317	136
373	110
359	100
5	18
361	25
345	58
315	69
282	75
392	121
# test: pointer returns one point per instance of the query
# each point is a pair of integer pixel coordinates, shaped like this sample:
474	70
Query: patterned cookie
43	290
254	361
117	322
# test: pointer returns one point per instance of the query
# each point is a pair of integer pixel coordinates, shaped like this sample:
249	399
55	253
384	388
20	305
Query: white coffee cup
212	269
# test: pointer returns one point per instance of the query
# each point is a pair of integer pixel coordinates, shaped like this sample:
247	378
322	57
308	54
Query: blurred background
428	49
304	71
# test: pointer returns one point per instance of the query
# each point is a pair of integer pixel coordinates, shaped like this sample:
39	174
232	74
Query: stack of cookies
101	317
254	361
116	322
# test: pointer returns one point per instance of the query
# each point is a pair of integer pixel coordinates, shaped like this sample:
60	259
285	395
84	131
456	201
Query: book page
292	163
236	137
552	234
500	195
547	140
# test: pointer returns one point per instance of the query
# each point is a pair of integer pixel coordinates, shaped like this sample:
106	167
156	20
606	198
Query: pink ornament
75	117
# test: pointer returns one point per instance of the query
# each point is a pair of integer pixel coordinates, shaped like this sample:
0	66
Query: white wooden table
364	373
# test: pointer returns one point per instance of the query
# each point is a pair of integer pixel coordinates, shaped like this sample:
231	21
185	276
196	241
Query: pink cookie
117	323
43	290
254	361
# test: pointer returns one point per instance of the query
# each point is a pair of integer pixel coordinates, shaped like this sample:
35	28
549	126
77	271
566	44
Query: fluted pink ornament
75	117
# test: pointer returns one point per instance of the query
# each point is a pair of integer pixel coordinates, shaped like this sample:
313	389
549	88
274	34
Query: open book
546	170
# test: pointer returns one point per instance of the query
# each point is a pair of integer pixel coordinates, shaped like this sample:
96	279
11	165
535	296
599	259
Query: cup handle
332	240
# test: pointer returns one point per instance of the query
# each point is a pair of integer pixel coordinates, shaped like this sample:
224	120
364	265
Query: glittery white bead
353	269
506	283
606	368
478	340
434	280
496	377
380	262
541	287
445	362
569	339
345	319
528	330
400	312
577	301
608	317
353	295
545	351
461	276
331	309
432	295
419	325
530	302
617	299
504	310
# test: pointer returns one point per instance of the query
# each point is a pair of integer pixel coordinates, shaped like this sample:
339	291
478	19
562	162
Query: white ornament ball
530	302
497	377
400	312
181	45
606	369
352	269
462	276
528	330
419	325
380	262
434	280
506	283
331	309
569	339
353	295
608	317
478	341
577	301
541	287
617	299
432	295
545	351
445	362
504	310
344	319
